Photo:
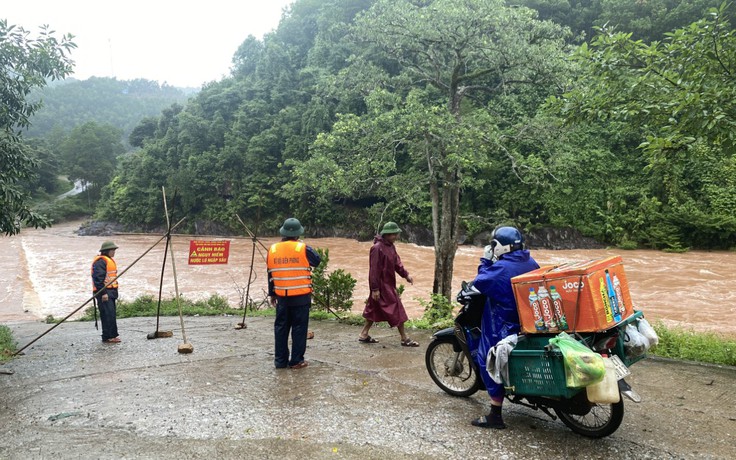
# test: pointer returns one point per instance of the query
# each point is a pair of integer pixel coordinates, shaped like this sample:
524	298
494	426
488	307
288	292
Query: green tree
675	91
46	178
120	103
90	154
446	61
677	96
26	63
145	130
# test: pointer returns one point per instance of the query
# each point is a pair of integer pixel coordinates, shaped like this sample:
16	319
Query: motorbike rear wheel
451	370
602	420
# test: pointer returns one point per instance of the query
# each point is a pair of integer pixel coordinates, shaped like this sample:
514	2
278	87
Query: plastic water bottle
559	312
534	304
619	295
612	296
606	301
547	312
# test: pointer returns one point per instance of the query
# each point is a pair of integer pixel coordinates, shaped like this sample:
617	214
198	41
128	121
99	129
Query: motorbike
536	369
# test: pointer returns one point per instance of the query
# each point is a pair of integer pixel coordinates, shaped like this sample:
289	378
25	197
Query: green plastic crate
535	371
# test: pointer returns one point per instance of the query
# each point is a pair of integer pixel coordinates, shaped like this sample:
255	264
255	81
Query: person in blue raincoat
504	259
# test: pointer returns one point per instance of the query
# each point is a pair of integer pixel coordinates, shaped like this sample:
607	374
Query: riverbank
46	272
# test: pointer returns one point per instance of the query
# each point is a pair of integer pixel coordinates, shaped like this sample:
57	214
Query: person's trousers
108	315
294	319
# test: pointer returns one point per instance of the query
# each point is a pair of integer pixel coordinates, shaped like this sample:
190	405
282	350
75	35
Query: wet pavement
71	396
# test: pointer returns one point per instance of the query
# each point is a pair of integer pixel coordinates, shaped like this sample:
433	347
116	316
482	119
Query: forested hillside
107	101
615	118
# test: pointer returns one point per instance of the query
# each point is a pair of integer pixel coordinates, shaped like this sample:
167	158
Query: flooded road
46	272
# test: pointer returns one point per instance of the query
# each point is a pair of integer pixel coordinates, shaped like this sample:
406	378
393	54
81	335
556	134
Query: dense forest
107	101
615	118
79	128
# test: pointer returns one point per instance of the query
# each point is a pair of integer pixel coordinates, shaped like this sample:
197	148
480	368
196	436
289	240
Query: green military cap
390	227
291	228
107	245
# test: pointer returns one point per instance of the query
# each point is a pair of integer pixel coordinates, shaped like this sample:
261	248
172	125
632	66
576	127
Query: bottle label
619	295
547	314
559	312
606	301
612	298
538	321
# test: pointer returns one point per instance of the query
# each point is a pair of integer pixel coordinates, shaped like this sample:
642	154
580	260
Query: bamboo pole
185	347
94	296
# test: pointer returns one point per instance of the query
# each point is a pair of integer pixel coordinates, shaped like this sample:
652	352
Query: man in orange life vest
290	289
104	271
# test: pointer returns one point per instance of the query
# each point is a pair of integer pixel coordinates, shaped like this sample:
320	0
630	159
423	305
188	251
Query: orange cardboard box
587	296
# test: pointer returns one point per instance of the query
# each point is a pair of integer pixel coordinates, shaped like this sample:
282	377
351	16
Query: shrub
7	344
437	311
147	305
333	292
217	303
628	245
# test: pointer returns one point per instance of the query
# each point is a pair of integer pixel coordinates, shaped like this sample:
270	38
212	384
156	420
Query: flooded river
46	272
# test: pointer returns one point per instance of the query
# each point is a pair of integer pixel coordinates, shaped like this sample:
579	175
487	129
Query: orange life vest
112	272
288	268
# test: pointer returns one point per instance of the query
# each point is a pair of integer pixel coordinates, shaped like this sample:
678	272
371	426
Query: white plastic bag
635	344
647	331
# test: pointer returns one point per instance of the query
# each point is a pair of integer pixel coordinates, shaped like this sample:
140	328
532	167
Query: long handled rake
185	347
157	334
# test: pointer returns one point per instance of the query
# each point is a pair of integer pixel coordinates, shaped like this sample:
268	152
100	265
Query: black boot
492	420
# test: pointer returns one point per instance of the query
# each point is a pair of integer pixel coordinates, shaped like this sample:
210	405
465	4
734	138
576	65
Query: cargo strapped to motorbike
537	369
587	296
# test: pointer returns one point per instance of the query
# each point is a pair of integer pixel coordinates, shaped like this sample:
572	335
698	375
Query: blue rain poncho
500	317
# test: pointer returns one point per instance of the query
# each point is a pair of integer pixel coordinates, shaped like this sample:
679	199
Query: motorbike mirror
464	285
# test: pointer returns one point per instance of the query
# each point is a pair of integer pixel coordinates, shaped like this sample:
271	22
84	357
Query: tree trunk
446	208
445	211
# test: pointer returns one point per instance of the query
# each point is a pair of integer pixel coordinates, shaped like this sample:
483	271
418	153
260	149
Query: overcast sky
182	43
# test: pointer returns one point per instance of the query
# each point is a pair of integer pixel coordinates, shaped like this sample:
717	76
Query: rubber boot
494	419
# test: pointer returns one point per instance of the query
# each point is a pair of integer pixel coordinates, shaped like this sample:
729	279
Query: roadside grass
675	343
7	344
705	347
147	305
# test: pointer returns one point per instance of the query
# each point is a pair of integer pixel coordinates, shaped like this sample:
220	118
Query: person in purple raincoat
384	303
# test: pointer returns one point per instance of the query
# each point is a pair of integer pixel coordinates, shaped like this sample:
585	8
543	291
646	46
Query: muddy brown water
46	272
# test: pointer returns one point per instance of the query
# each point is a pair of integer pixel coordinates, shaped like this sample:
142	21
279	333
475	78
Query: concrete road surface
70	396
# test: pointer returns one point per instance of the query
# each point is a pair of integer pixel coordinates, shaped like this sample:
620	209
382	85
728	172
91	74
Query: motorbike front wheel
451	370
602	420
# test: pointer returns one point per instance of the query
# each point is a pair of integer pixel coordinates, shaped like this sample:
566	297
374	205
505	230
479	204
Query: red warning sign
208	252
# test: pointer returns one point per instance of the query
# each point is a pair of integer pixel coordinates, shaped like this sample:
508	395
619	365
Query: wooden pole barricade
94	296
255	240
185	347
157	333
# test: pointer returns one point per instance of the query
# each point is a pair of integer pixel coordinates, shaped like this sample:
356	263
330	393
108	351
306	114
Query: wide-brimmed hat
107	245
292	227
390	227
